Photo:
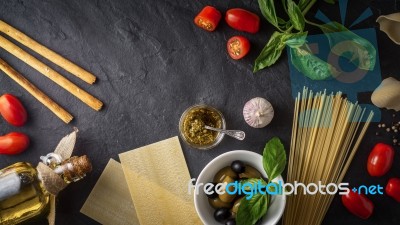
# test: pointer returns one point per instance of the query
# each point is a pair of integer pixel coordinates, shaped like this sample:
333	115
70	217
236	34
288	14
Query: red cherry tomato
358	204
238	47
13	143
208	18
393	188
380	160
12	110
242	20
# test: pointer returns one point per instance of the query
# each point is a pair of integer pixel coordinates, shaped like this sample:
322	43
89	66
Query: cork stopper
78	167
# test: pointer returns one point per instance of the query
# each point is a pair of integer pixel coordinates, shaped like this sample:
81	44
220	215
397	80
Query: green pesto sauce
194	122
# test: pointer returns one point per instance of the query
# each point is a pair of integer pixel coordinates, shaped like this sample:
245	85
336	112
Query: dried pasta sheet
110	202
157	177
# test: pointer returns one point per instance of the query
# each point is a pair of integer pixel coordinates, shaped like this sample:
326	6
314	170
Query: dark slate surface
152	63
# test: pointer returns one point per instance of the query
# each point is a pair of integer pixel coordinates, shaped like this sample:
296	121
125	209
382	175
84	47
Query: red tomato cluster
379	162
15	114
239	19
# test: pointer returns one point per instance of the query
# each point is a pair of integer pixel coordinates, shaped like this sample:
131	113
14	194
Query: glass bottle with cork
26	192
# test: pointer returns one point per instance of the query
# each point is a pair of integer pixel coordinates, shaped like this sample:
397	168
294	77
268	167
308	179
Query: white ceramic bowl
203	208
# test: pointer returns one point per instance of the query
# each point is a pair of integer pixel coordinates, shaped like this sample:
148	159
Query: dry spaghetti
327	131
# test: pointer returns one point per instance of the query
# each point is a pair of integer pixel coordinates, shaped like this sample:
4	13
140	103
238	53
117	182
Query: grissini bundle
47	53
35	92
51	74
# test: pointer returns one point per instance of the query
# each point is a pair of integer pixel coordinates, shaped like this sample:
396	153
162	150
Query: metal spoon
238	134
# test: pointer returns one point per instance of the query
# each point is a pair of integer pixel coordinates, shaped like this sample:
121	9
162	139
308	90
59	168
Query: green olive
226	197
236	205
216	203
250	172
223	173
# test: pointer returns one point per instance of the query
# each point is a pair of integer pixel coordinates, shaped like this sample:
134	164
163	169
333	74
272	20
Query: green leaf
303	4
274	158
297	40
347	44
271	52
310	65
267	8
253	181
296	16
250	211
273	49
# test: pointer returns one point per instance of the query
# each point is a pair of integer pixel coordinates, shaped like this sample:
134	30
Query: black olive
214	194
230	222
238	166
222	214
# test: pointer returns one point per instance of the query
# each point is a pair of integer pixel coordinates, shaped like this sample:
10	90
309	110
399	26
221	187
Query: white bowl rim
278	216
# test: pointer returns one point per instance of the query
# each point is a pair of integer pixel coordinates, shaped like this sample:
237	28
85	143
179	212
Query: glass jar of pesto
192	122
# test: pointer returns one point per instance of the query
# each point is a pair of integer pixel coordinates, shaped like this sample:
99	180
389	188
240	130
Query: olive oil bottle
24	194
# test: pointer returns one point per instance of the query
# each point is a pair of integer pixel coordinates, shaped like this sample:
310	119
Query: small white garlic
258	112
387	94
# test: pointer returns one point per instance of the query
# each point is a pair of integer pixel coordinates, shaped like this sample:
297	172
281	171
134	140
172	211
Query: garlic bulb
258	112
387	94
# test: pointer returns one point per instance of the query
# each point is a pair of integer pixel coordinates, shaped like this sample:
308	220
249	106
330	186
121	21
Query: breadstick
47	53
35	92
51	74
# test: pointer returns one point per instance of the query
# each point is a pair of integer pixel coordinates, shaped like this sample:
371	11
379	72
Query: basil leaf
274	158
252	181
332	27
297	40
347	44
303	4
296	16
267	8
271	52
250	211
311	66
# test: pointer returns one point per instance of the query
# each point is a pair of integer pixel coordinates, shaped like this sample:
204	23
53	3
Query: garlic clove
258	112
387	94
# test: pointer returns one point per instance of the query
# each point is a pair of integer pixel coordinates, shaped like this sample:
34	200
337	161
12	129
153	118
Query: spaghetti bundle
327	132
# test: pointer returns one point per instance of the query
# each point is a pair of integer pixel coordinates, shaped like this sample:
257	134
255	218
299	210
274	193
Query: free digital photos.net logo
358	67
249	189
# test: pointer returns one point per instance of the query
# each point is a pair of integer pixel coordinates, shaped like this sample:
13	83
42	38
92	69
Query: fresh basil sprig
273	49
274	162
359	51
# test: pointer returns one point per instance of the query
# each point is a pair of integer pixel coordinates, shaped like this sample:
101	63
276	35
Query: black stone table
152	63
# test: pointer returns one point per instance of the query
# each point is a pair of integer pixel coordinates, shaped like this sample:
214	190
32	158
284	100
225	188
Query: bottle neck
71	170
68	173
